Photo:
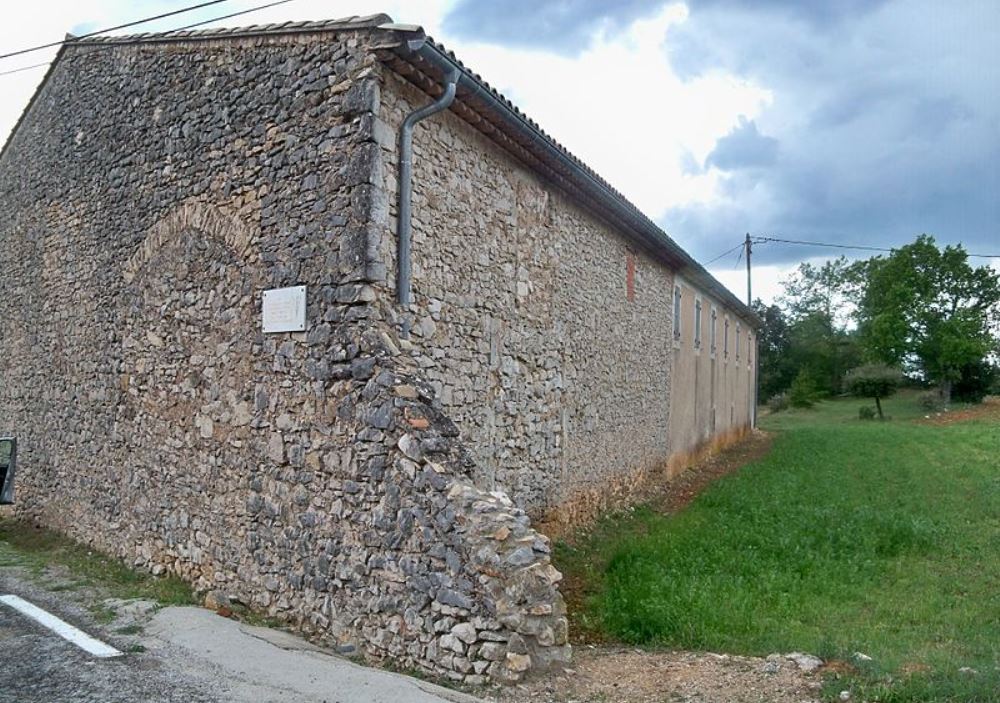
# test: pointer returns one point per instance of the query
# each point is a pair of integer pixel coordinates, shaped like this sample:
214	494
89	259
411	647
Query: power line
725	253
110	29
861	247
24	68
232	14
93	47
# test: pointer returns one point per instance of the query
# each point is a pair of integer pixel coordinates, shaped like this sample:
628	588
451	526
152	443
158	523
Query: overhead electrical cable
231	15
71	39
93	46
23	68
725	253
761	240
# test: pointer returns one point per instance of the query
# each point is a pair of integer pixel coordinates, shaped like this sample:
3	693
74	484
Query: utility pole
748	246
754	399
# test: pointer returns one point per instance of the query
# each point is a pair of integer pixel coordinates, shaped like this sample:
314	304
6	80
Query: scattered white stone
806	662
845	695
861	657
968	670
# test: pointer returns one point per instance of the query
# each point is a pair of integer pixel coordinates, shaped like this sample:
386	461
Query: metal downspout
404	225
418	45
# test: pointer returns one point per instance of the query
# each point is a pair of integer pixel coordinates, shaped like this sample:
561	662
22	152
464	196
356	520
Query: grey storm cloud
885	120
744	147
887	115
563	26
815	11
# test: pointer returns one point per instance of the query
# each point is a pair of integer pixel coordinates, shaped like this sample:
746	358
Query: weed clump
778	402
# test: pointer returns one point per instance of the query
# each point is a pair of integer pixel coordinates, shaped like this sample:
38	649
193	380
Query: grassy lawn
37	551
850	536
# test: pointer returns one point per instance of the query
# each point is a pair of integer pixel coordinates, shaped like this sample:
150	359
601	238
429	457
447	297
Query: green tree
873	381
775	364
817	302
823	351
927	310
828	290
977	381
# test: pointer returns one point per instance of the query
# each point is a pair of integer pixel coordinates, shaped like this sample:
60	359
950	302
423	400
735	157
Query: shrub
931	401
873	381
804	391
778	402
866	412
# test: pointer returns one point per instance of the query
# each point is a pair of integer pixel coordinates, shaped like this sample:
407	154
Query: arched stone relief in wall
189	325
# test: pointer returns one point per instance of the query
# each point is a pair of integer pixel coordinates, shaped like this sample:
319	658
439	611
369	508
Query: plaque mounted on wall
284	310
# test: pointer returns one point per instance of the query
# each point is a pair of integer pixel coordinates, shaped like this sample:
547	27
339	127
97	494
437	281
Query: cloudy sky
848	121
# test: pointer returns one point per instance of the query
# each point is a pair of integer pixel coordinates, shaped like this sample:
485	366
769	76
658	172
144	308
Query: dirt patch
989	409
626	675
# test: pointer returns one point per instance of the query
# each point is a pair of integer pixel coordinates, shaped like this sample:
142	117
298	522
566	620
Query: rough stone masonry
364	487
149	195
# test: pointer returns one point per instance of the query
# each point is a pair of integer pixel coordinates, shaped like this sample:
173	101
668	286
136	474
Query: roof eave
411	45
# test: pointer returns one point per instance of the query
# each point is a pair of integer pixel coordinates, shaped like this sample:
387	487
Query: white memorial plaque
284	310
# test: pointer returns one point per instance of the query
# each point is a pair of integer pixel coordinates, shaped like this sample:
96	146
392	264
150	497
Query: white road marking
62	628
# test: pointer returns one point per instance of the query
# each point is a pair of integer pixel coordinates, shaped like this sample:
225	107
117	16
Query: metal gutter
417	48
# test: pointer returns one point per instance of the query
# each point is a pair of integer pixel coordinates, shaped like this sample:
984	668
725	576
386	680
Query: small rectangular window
677	313
697	322
8	465
715	332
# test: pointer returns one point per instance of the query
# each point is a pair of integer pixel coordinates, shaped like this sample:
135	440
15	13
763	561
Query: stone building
369	472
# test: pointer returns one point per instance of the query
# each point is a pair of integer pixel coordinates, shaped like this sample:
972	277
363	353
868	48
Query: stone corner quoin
366	488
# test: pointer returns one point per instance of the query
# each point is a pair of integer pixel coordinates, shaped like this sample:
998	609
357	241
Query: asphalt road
179	654
38	665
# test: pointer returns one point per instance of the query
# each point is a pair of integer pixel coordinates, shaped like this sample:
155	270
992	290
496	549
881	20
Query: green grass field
849	536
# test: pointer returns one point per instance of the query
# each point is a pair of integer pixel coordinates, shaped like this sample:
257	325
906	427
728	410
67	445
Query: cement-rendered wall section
713	390
150	195
557	368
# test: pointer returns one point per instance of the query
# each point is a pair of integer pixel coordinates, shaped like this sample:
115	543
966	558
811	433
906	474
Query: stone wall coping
254	30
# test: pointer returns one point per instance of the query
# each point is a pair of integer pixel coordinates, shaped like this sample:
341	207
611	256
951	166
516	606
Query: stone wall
150	195
557	369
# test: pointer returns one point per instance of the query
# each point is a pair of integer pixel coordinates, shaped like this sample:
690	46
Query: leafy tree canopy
926	309
825	291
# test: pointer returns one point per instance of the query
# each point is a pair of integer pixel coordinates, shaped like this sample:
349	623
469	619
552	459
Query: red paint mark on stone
630	276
